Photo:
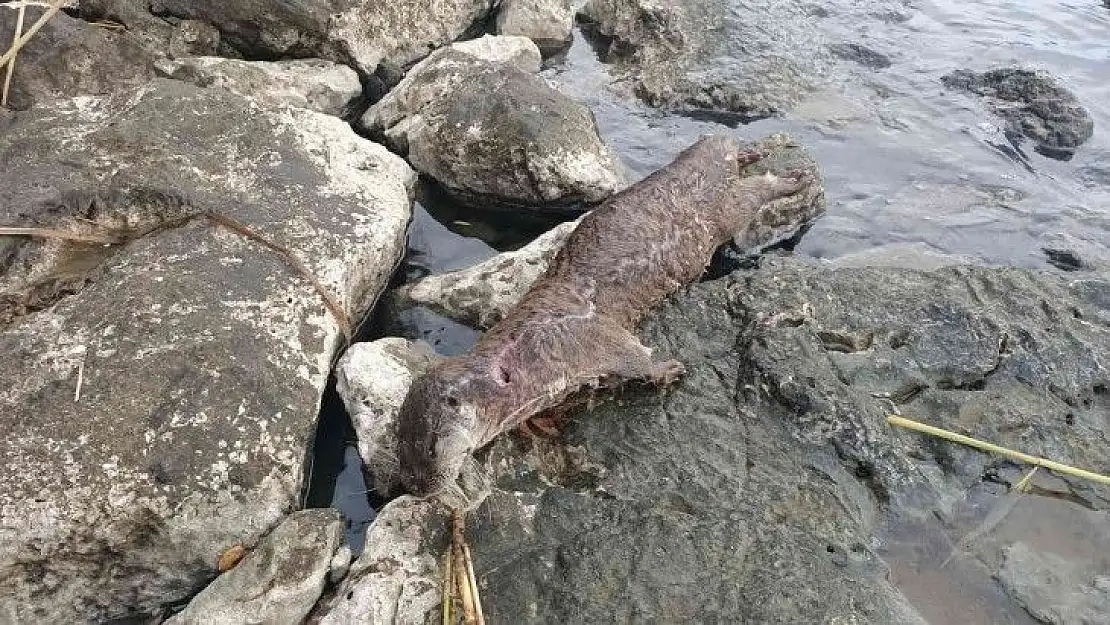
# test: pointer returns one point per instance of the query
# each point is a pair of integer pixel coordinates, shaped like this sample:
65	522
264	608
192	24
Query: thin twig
11	65
80	380
51	233
458	537
55	6
330	302
991	447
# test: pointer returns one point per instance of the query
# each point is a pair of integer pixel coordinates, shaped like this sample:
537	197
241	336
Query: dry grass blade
50	233
11	64
55	6
998	449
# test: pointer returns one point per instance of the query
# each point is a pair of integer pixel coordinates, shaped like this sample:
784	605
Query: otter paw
666	373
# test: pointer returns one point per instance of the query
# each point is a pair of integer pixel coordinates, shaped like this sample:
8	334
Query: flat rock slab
200	356
313	84
515	144
750	59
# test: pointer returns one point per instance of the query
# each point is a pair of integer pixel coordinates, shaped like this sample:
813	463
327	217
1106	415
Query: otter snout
435	434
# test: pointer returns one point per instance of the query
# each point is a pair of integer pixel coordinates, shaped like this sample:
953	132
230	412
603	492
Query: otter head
437	430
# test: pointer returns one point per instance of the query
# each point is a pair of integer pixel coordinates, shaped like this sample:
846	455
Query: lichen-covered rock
69	57
159	394
518	52
1033	104
546	22
514	143
755	59
279	580
313	84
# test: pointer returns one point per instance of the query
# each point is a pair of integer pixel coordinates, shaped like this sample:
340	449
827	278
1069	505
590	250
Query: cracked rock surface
200	356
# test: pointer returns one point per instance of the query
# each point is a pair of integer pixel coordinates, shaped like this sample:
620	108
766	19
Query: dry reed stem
481	618
51	233
998	449
55	6
448	584
80	381
11	65
458	539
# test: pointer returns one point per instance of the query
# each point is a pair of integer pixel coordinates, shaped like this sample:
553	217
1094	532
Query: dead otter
574	327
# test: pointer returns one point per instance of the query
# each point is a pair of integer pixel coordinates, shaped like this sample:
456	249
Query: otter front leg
631	360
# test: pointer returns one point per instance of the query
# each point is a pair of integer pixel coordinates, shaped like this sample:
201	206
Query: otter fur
574	328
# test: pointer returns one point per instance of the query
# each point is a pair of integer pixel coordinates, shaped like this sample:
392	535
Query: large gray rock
280	580
754	58
382	38
546	22
200	356
1033	104
515	142
313	84
756	488
69	57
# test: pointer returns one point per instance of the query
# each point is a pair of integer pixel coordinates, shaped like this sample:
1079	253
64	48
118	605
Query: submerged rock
279	580
69	57
513	143
1033	104
1053	589
158	395
313	84
754	60
548	23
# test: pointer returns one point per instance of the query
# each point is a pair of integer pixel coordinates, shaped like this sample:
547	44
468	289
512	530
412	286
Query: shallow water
911	176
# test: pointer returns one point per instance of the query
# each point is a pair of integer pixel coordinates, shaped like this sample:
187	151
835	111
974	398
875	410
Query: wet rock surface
314	84
160	393
1033	105
752	59
279	580
770	465
516	143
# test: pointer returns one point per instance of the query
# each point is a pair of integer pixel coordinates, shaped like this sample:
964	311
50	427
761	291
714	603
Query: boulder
1053	589
516	143
748	62
313	84
1032	104
279	580
375	38
756	488
548	23
69	57
161	390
